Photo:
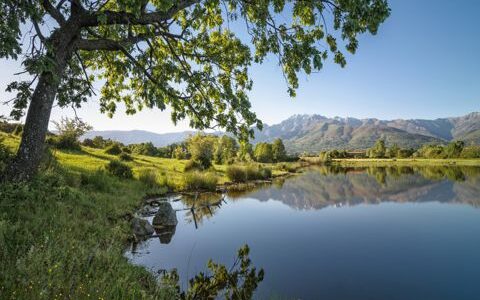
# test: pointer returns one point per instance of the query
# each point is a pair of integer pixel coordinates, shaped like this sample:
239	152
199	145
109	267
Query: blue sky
423	63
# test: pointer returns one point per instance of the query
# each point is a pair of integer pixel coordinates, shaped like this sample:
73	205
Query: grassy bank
63	234
366	162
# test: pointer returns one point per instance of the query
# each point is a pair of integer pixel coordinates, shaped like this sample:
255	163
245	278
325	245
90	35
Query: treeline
455	149
204	148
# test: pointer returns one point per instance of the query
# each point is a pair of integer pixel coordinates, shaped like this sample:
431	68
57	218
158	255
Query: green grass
65	233
366	162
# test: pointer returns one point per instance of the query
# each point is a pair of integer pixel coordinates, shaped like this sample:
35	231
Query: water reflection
326	186
165	233
309	249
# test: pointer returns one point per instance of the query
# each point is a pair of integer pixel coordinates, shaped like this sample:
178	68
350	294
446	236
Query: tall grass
200	181
247	173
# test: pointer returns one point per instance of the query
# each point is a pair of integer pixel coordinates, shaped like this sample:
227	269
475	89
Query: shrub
236	174
126	150
88	143
119	169
470	152
125	157
69	131
242	174
148	177
265	173
113	149
63	142
193	165
195	181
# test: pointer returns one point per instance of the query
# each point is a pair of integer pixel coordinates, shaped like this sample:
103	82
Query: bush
148	177
242	174
119	169
193	165
126	150
470	152
63	142
194	181
125	157
88	143
113	149
236	174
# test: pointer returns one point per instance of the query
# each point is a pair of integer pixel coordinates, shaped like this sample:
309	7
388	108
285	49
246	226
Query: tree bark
30	152
32	146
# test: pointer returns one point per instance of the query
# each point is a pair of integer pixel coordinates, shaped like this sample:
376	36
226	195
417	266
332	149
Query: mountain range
313	133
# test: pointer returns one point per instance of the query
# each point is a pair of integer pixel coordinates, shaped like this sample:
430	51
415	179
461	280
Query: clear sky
423	63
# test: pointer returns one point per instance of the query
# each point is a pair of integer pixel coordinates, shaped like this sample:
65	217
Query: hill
313	133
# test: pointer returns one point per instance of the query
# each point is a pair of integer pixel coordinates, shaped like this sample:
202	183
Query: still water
333	233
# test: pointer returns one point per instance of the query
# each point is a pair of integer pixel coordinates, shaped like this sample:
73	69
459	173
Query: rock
142	228
165	215
147	210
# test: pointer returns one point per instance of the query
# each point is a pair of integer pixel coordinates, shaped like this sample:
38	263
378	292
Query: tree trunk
32	146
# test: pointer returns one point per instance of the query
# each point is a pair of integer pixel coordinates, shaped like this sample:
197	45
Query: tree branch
52	11
109	17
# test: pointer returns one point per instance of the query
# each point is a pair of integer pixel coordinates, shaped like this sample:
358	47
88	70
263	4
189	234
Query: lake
339	233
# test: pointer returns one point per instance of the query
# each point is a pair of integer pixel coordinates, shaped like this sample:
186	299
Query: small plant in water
237	283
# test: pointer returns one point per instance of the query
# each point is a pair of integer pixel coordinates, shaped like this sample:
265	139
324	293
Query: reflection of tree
327	186
201	206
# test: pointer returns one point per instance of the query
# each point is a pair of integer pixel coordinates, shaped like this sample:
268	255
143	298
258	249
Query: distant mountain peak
314	132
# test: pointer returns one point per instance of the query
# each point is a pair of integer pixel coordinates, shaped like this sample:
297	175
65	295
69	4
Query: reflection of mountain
316	189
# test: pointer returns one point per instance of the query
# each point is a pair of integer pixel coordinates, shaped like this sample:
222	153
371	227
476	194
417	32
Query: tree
393	151
454	149
278	150
245	152
144	149
201	148
176	53
263	152
225	150
378	150
68	133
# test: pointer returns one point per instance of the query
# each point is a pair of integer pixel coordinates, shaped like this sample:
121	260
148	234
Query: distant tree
245	151
225	150
114	149
470	152
179	153
278	150
378	150
99	142
88	143
393	151
454	149
201	147
147	149
405	153
431	151
68	133
263	152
